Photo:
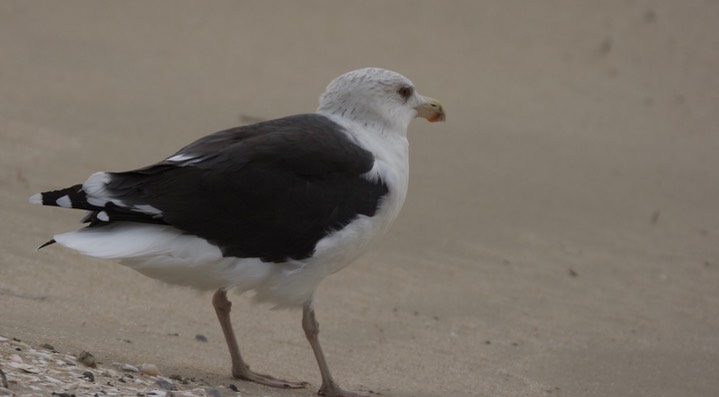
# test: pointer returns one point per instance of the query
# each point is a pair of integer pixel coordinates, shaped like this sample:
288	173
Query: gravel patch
42	371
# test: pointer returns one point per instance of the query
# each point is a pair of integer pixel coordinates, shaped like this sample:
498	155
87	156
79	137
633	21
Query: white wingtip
36	198
102	215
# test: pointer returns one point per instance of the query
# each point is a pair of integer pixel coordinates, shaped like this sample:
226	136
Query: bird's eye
405	92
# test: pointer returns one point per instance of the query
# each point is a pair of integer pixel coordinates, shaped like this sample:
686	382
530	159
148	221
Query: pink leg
240	369
312	329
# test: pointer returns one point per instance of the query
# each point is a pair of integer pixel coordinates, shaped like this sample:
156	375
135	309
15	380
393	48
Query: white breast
337	250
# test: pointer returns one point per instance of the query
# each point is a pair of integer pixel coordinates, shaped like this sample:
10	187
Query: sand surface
561	233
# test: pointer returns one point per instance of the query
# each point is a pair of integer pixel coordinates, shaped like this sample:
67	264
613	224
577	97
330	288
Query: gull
273	207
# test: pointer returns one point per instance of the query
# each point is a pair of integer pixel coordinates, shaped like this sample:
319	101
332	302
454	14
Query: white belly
167	254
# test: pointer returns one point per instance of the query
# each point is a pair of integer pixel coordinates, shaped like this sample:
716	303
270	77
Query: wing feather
270	190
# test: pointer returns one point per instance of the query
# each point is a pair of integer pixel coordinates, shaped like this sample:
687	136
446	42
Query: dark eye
405	92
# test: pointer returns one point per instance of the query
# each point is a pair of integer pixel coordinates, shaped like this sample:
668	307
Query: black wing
270	190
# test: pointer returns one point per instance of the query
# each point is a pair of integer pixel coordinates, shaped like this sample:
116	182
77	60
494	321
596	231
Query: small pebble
127	367
213	392
69	360
25	368
88	359
47	346
166	385
17	343
200	338
40	355
4	379
52	380
149	369
89	376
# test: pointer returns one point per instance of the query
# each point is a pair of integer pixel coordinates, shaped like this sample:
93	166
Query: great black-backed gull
273	207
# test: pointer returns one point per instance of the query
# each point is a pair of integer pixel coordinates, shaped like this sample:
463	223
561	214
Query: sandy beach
561	232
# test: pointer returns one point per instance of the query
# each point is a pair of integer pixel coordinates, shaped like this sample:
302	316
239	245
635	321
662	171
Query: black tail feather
71	197
52	241
75	197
